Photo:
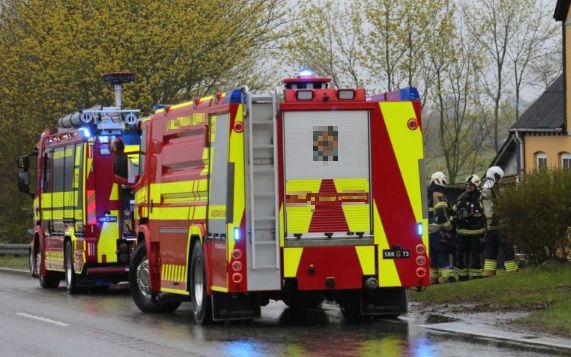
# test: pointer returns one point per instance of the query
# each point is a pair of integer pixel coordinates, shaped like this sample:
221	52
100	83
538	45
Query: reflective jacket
438	210
470	219
490	195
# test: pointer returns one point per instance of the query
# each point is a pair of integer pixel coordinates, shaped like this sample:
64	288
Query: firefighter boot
511	266
476	273
462	274
447	275
434	275
490	266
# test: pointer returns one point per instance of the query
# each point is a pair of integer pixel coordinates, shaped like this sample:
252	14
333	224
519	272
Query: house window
566	161
540	161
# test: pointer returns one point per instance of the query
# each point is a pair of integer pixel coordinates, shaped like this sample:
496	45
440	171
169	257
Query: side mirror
24	162
24	182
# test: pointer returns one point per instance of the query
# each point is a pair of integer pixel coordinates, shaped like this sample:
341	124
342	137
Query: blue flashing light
86	133
237	234
410	93
106	218
233	96
420	229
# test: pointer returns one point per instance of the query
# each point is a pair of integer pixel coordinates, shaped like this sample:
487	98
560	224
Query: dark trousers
469	253
496	241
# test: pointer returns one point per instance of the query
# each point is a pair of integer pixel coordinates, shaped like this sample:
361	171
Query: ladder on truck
263	227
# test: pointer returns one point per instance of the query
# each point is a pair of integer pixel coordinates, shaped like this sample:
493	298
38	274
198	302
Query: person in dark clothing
441	245
470	230
120	160
121	169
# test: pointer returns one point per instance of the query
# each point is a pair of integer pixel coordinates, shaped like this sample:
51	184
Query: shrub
537	213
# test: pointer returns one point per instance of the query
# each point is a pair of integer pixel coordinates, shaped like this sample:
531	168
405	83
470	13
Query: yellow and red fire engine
83	227
308	195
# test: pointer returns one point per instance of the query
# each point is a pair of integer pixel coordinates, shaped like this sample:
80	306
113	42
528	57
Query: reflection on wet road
108	323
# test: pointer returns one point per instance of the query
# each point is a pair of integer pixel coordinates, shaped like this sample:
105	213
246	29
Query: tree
54	52
326	40
514	35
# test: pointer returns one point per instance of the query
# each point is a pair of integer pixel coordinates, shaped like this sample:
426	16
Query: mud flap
384	302
235	307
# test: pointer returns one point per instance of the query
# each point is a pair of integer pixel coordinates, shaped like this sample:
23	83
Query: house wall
551	146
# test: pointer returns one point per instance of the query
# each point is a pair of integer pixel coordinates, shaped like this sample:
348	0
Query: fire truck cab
83	224
312	194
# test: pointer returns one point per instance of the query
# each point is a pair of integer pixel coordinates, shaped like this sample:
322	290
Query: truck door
218	211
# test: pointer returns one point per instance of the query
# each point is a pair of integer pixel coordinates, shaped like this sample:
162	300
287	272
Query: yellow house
541	137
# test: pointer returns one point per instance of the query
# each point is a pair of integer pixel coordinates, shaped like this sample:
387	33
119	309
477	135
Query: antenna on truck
117	79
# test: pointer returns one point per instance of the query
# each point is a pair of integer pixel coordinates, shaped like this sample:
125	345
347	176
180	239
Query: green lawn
545	291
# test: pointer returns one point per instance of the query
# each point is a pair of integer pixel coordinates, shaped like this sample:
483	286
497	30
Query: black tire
48	280
139	284
201	302
351	309
70	277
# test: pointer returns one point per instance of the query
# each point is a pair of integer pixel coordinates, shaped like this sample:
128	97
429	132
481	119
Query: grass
545	291
14	262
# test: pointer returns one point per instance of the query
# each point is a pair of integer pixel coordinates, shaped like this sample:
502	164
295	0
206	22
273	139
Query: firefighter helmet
473	180
495	173
439	178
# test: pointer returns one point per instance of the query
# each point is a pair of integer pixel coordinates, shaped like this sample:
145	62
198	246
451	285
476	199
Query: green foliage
537	214
54	52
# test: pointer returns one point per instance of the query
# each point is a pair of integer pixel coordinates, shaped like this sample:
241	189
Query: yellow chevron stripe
388	275
396	115
366	256
292	257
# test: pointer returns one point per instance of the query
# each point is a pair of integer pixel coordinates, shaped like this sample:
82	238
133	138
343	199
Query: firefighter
120	160
440	230
121	169
495	239
470	230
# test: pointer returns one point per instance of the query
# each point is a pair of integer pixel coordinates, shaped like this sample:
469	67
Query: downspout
520	162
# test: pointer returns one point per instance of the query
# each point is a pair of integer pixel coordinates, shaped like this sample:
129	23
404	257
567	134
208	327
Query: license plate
395	254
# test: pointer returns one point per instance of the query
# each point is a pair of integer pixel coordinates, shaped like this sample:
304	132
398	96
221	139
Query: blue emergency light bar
409	93
233	96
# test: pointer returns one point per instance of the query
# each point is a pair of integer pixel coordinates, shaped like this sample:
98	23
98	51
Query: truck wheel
48	280
70	278
139	284
201	303
351	308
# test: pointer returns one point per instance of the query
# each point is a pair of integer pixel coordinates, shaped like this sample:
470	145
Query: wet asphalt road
38	322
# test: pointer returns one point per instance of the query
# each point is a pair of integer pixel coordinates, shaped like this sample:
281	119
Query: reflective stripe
471	232
490	264
511	266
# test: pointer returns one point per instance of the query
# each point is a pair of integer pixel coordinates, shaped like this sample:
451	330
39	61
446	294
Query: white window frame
540	161
566	161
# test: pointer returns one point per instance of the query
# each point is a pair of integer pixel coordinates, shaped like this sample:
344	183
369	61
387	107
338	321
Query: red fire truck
83	227
308	195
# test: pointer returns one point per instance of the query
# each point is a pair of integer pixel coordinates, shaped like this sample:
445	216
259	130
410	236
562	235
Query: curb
14	271
489	332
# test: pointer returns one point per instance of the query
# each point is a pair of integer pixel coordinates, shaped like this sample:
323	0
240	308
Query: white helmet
495	173
439	178
474	180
